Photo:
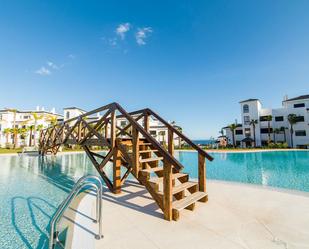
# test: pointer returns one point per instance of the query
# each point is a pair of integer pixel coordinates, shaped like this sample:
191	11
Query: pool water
31	188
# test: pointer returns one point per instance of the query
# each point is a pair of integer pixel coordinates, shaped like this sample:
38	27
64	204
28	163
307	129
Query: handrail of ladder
80	184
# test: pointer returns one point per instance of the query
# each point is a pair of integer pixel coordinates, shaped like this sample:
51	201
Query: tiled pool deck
236	216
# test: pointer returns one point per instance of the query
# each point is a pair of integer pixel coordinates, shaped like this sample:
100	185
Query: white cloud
43	71
71	56
52	65
142	34
122	29
112	42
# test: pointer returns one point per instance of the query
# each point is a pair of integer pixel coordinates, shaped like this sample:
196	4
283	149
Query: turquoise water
32	188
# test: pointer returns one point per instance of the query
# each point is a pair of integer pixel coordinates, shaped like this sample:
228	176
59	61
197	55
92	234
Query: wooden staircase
132	147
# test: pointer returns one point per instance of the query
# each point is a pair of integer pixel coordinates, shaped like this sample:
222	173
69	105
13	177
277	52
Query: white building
279	126
27	125
156	128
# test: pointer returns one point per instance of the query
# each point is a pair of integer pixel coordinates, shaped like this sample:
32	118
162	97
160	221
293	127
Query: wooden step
147	151
157	180
188	200
181	187
145	144
152	159
152	170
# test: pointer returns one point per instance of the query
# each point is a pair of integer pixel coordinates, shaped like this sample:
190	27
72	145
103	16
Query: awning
247	139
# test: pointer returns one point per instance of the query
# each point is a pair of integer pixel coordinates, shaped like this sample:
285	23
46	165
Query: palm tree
282	129
7	132
292	118
14	129
31	128
53	120
233	127
269	118
22	132
36	117
254	122
276	131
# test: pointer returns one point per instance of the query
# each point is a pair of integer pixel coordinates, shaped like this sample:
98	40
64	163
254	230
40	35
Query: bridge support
117	170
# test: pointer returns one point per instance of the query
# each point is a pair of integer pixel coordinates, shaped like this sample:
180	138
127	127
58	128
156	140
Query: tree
276	131
254	122
53	120
14	129
22	132
36	118
31	128
233	127
269	118
282	129
292	118
7	132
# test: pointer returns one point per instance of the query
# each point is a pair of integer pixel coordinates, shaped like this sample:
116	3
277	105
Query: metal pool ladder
85	181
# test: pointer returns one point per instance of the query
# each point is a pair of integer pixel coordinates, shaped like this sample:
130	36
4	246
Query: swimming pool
32	188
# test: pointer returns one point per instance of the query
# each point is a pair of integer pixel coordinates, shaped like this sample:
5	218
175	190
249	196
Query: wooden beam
167	190
135	149
201	173
96	165
117	171
170	142
146	121
113	129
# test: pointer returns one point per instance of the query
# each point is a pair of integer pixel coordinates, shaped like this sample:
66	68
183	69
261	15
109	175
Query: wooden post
201	173
79	131
116	170
146	121
113	129
135	159
171	142
167	190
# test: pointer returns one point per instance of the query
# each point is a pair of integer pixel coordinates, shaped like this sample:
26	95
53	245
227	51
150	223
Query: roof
298	98
73	107
248	100
29	112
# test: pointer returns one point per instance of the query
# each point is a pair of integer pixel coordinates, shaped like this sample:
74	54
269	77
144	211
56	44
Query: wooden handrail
188	141
146	135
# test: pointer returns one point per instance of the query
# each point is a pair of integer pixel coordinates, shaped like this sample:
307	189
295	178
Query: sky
190	61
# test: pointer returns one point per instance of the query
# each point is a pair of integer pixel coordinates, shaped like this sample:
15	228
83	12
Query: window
67	115
299	105
245	109
26	117
153	133
0	127
123	123
300	118
247	132
238	132
246	120
279	118
300	133
265	130
0	117
263	118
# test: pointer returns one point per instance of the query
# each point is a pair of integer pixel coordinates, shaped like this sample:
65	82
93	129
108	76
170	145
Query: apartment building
272	124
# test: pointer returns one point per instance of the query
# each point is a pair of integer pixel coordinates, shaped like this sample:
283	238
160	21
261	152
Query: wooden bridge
131	146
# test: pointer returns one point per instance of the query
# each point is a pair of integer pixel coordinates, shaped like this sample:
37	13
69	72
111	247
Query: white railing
81	183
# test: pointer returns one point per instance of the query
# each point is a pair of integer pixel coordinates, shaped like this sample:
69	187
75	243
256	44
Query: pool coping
182	150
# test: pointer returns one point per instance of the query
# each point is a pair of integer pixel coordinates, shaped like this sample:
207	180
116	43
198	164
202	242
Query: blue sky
191	61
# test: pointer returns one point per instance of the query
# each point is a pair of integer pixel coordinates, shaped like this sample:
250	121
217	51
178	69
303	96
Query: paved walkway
236	216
